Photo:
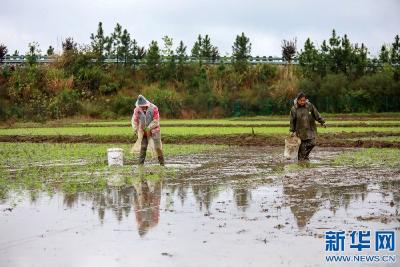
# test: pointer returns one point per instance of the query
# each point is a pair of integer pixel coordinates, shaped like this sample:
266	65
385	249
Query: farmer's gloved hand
292	134
147	131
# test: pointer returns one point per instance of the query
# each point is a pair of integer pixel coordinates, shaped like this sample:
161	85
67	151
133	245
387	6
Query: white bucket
115	156
292	145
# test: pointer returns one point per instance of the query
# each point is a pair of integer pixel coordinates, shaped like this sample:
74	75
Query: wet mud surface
235	207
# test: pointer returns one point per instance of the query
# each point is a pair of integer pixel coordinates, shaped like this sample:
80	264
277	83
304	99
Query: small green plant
75	167
370	157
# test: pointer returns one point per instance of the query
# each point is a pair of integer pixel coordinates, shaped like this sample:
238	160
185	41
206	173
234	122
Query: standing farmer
302	123
146	123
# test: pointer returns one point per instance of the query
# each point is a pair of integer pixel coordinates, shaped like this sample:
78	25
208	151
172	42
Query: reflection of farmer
147	205
302	123
146	123
302	200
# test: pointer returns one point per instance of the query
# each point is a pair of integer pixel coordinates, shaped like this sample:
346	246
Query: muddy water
236	207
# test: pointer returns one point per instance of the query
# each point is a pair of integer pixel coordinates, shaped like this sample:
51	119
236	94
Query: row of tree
339	55
335	55
338	76
121	46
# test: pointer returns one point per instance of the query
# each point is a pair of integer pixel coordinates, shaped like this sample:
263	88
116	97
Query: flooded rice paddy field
233	206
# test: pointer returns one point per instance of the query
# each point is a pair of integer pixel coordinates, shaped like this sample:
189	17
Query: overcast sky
265	22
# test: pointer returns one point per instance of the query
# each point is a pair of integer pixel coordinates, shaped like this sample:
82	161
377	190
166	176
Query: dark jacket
302	120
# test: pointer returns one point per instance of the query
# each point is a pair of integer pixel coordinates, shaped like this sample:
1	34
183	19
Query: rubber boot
160	157
143	150
142	157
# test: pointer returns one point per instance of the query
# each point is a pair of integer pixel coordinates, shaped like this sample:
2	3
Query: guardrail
9	59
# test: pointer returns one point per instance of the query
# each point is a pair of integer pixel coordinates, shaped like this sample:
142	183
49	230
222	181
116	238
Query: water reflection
394	188
305	192
303	198
302	202
181	190
146	201
204	194
306	198
242	196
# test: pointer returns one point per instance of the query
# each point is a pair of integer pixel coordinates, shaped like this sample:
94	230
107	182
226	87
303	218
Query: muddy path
233	125
233	207
324	140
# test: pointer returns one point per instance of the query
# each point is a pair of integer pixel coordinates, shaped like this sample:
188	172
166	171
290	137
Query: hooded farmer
302	123
146	123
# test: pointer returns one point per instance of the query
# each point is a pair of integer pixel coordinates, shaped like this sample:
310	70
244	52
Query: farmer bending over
302	123
146	123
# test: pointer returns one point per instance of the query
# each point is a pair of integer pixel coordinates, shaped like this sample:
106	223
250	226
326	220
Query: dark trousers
305	148
143	150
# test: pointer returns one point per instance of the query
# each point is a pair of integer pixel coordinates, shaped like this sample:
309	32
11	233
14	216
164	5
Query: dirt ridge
325	140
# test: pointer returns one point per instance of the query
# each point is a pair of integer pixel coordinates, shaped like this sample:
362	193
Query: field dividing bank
186	131
255	124
380	138
349	139
236	122
210	123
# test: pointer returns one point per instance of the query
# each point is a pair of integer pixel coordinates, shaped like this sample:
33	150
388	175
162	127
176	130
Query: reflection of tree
33	196
119	199
205	193
147	205
70	199
4	192
242	196
394	187
181	189
305	197
341	196
302	202
115	198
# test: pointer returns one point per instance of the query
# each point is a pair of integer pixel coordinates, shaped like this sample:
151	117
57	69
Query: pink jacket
150	119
